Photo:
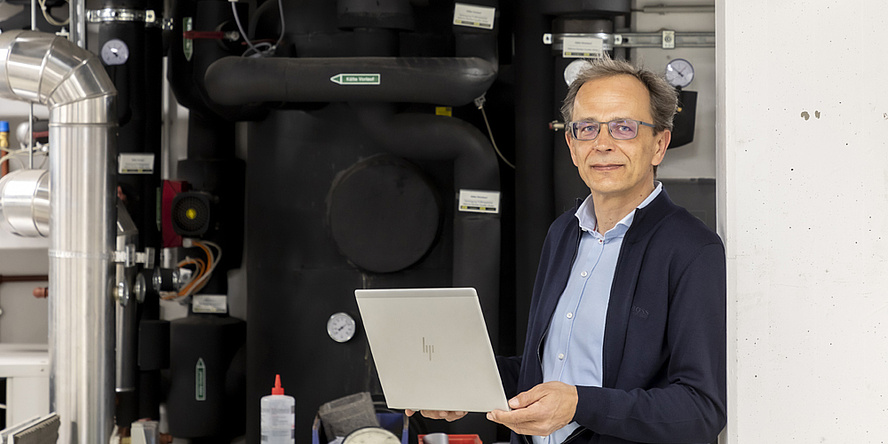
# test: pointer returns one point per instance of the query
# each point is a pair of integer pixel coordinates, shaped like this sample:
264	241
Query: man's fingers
539	411
525	399
523	421
441	414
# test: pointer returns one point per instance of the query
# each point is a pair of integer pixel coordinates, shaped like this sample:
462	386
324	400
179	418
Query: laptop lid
431	349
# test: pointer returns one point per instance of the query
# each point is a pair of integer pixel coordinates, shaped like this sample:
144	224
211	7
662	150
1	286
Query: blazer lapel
625	282
618	309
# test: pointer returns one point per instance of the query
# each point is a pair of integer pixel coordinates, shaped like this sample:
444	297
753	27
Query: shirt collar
586	212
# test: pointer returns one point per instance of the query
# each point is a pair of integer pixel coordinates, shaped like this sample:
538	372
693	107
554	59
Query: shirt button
584	274
600	241
560	356
570	316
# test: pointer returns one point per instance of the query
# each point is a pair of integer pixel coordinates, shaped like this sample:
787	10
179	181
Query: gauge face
341	327
115	52
573	70
679	73
371	435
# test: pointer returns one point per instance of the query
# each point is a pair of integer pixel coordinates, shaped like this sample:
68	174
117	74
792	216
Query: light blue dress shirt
574	343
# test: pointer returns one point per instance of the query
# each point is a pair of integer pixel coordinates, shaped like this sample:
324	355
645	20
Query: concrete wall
803	206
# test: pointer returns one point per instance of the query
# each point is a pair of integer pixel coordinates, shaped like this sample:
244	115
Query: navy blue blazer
664	339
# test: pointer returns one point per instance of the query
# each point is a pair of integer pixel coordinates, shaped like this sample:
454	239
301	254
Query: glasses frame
573	129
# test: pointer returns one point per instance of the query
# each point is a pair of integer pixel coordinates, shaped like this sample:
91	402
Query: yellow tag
444	111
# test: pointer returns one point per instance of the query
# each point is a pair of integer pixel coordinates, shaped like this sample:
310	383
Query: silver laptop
431	349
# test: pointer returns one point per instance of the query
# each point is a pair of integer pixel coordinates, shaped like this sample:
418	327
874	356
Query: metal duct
24	202
441	80
72	83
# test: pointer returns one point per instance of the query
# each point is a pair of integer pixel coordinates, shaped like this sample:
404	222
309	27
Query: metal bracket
113	15
129	257
666	39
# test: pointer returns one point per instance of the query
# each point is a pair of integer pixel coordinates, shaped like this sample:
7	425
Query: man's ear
569	140
663	139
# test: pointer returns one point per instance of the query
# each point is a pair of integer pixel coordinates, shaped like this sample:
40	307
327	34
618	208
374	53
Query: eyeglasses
620	129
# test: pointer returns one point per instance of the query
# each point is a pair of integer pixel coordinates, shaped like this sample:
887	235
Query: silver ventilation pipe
71	82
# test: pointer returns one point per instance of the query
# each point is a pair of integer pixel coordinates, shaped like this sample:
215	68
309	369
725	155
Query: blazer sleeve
687	404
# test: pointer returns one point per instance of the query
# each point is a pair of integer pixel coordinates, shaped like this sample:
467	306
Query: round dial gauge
371	435
679	73
573	70
115	52
341	327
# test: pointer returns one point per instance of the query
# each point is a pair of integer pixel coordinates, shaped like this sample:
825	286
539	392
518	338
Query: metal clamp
114	15
129	257
666	39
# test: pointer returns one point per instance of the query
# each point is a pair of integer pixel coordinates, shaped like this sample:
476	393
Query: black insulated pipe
476	243
449	81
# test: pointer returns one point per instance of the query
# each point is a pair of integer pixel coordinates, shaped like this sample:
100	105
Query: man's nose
604	141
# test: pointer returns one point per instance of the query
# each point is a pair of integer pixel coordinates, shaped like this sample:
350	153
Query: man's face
621	169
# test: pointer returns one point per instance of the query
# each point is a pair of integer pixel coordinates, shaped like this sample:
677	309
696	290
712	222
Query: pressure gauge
679	73
573	70
115	52
341	327
371	435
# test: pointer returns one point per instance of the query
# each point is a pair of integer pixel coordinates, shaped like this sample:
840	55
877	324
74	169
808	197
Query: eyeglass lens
619	129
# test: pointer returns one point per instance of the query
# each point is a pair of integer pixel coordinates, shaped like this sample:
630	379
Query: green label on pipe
200	381
187	44
357	79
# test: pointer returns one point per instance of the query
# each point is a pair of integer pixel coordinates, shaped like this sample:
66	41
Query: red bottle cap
277	389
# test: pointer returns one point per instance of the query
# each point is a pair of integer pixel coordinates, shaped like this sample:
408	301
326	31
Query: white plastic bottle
278	421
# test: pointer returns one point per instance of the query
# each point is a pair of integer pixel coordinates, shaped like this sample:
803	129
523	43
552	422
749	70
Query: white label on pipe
582	47
130	163
473	16
475	201
209	303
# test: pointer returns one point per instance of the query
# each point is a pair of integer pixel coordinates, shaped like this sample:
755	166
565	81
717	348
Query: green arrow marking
200	381
356	79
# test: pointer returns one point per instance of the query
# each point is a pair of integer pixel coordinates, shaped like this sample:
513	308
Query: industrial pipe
24	278
71	82
441	80
24	203
476	236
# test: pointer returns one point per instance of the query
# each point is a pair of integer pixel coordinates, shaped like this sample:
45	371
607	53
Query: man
626	335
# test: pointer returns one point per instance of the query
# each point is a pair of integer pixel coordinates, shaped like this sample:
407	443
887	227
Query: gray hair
664	98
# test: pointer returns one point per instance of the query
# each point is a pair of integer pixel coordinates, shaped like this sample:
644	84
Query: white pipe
71	82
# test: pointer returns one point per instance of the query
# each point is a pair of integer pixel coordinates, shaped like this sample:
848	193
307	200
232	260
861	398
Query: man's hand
540	410
438	414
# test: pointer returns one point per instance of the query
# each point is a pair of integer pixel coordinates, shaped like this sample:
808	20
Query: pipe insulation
476	236
71	82
441	80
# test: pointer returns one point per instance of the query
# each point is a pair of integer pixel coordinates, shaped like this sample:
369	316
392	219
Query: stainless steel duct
71	82
24	202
